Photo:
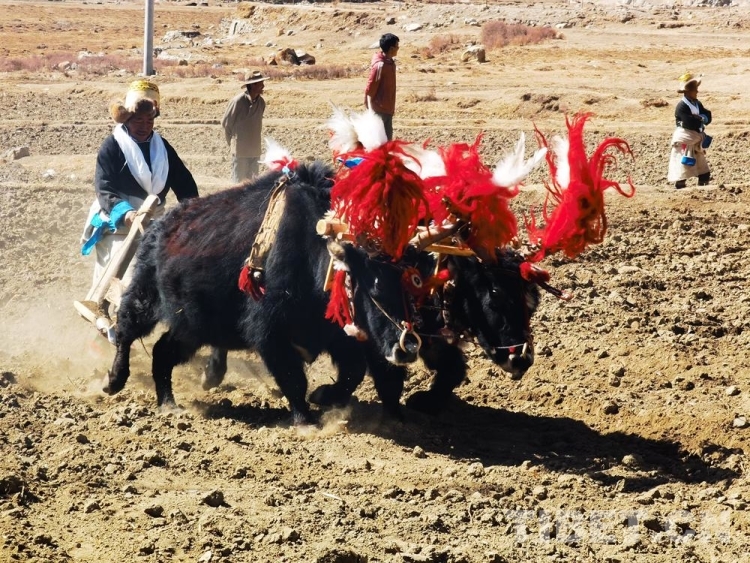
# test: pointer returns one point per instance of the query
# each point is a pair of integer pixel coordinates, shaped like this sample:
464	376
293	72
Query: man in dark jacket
380	92
133	163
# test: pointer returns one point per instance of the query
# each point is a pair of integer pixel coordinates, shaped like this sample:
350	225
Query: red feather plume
338	310
380	198
579	219
467	190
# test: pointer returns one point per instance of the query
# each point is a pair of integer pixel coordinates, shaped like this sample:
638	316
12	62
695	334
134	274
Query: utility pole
148	40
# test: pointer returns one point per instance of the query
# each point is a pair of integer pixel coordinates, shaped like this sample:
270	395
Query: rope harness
252	276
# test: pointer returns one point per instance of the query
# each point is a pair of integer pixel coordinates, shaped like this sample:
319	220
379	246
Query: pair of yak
393	302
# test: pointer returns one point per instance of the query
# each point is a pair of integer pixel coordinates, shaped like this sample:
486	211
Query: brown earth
626	441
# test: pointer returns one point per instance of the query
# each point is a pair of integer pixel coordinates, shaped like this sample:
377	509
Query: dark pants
388	124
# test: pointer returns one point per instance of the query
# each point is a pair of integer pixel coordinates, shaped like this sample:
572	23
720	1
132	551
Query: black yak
186	276
491	302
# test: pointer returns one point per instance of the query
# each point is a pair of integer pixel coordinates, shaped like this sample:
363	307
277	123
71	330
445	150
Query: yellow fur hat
686	79
142	96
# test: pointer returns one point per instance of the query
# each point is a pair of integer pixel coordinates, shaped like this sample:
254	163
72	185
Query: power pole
148	40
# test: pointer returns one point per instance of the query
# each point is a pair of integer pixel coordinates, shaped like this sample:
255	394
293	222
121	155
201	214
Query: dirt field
627	439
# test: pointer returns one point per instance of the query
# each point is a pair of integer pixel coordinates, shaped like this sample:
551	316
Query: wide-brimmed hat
686	79
253	77
142	96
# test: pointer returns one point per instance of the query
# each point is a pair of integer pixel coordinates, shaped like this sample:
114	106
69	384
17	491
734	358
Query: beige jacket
243	121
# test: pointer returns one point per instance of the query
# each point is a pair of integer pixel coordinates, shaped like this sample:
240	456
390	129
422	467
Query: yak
490	301
186	276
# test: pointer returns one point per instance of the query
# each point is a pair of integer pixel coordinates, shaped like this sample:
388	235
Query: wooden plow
109	286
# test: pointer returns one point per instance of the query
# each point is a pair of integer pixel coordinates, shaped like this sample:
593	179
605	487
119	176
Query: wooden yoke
333	227
108	285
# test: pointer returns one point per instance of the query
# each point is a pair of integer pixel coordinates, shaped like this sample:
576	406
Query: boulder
16	153
287	56
474	52
305	58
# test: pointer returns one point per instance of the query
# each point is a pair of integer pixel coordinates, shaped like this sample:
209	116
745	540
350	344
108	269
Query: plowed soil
626	441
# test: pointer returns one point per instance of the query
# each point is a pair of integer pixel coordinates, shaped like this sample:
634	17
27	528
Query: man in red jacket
380	92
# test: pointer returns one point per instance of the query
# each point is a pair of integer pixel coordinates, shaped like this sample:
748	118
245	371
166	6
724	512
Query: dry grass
429	96
497	34
103	65
316	72
440	44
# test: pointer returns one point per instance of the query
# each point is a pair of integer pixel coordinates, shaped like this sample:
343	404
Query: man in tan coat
243	121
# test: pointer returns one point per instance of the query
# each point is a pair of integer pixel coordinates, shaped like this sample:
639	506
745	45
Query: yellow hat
138	91
686	79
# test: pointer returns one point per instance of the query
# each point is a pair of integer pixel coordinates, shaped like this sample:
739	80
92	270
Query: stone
476	469
214	499
16	153
474	52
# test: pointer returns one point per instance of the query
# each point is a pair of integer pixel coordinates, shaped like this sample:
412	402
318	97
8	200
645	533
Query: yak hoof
303	418
210	381
113	385
393	413
170	406
427	402
330	396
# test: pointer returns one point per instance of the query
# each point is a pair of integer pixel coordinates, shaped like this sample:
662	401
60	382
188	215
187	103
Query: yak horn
429	235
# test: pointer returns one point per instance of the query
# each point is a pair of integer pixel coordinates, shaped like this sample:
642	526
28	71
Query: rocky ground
627	439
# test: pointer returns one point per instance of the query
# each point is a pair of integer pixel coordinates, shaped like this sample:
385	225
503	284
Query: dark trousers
388	124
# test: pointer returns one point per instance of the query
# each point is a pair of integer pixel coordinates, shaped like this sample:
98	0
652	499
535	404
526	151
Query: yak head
369	299
494	302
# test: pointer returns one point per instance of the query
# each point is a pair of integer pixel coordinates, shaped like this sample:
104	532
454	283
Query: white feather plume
512	169
276	155
424	162
561	146
370	129
343	136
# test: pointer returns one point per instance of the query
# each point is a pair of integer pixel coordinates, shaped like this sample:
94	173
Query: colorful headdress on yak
577	188
479	196
380	199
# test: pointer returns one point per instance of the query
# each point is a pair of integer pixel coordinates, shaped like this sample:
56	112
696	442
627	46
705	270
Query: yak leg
135	319
389	382
168	352
348	357
215	370
288	370
450	369
118	375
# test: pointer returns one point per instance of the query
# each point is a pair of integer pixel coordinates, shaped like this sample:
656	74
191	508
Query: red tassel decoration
467	190
534	274
578	220
380	199
338	310
244	282
248	284
280	164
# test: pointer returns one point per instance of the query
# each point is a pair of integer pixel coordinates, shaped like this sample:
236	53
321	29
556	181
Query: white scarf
693	107
153	180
